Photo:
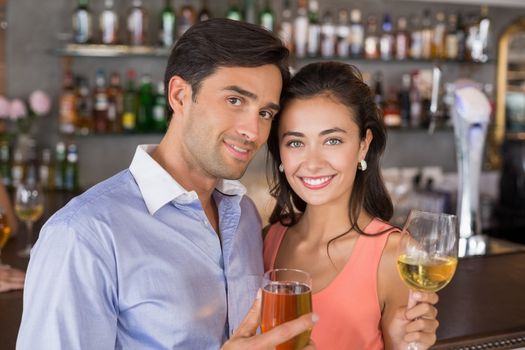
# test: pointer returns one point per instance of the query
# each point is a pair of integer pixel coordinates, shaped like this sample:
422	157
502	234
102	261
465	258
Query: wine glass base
24	253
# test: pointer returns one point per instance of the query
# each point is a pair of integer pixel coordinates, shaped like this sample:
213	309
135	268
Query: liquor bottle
267	17
234	11
438	37
131	104
5	163
137	24
115	104
404	100
167	25
451	38
186	18
379	97
357	34
426	35
479	51
31	166
250	14
145	111
108	22
386	42
416	38
46	170
71	168
60	162
82	23
402	39
67	117
416	105
300	29
286	26
392	112
314	29
328	36
17	168
343	34
100	103
371	39
84	109
159	110
204	13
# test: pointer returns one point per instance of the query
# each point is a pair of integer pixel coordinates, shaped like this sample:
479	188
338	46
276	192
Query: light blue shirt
133	263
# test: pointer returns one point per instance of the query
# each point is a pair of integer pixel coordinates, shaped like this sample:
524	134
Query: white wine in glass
29	207
428	252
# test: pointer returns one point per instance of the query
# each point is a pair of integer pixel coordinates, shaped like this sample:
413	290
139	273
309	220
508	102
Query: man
167	254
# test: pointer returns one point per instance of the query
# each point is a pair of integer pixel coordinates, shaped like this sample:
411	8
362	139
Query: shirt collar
158	187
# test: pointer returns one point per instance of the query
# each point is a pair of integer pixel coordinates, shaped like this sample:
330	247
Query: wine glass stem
29	226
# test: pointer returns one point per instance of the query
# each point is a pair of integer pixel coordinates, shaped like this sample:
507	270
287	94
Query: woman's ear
365	144
178	92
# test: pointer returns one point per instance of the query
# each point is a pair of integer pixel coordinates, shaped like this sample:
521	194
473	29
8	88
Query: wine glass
286	295
29	207
5	232
427	253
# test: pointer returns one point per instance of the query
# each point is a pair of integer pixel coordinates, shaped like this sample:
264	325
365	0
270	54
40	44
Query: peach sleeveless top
348	307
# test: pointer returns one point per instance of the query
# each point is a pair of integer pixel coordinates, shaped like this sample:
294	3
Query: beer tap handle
434	101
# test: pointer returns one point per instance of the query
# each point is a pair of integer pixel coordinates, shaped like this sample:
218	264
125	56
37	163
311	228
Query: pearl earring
362	165
281	168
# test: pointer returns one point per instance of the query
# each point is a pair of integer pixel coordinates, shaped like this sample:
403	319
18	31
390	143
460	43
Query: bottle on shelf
404	100
84	106
461	34
343	34
357	33
145	111
387	41
328	35
402	39
17	168
31	166
167	25
234	11
300	29
438	36
131	103
416	108
71	168
481	36
204	13
416	38
67	109
100	103
426	35
115	104
379	97
46	170
391	111
186	18
451	38
313	45
159	110
82	23
5	163
267	17
108	24
286	26
371	45
137	24
60	162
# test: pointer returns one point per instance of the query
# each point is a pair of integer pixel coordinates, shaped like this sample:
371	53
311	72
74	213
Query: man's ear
178	93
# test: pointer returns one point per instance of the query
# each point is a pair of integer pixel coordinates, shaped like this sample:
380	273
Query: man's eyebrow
251	95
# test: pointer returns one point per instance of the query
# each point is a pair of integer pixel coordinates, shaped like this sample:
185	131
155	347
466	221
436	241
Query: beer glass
286	295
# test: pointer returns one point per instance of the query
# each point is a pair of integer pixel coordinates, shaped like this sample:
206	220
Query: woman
331	212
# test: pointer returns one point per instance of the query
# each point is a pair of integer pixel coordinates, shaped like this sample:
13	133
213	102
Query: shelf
307	60
515	136
78	50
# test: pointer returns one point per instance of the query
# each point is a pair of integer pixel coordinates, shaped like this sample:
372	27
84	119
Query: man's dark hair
221	42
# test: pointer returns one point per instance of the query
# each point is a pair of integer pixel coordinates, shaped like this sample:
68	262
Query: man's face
230	119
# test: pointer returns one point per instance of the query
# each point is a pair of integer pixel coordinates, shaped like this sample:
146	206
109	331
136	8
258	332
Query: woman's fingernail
417	295
315	318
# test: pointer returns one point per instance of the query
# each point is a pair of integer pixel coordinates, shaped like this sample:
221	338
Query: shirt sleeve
70	293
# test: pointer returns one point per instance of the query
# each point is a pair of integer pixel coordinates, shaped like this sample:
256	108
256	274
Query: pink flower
17	109
4	107
39	102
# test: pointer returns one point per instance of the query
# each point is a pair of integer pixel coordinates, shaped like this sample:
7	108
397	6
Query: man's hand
11	279
416	322
245	336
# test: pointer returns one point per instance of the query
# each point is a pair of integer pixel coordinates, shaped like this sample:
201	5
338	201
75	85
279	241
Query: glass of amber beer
287	294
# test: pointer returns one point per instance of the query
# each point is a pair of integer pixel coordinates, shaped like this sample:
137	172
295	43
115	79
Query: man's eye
266	115
234	101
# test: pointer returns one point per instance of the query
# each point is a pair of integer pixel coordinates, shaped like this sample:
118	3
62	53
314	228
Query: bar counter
482	308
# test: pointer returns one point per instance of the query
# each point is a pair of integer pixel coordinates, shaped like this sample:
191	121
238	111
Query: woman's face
320	148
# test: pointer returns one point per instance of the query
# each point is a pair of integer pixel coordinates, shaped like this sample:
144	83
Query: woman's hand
245	336
415	322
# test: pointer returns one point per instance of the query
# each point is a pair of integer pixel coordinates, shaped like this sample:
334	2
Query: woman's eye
234	101
294	144
333	142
